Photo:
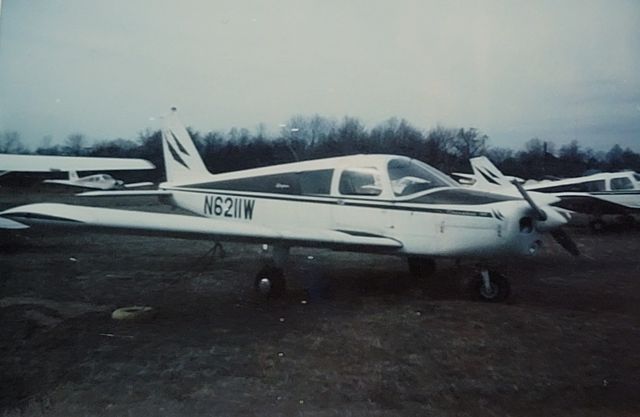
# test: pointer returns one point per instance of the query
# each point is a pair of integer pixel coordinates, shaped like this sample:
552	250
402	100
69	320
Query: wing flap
177	225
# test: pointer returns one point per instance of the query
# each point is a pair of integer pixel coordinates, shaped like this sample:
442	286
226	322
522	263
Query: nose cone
555	218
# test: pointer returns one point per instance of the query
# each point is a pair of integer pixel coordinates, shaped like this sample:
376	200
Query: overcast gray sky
557	70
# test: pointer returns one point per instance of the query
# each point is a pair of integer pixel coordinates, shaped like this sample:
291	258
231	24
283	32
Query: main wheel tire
422	267
499	291
270	282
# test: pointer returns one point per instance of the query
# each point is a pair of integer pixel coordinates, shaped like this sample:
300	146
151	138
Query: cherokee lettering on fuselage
229	207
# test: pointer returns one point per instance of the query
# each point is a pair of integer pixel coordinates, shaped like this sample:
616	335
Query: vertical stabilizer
73	176
486	174
181	158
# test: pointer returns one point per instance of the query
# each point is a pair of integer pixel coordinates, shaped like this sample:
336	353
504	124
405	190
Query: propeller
565	241
542	216
557	233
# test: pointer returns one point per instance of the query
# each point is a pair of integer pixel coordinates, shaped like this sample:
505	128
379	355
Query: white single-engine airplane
370	203
97	181
605	193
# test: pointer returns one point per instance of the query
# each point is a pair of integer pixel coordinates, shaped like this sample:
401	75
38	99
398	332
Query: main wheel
421	267
498	290
270	282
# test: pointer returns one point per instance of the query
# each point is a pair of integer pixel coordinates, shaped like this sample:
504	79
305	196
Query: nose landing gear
490	286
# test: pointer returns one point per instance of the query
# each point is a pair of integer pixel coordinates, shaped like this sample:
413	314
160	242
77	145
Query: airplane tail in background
73	175
181	158
487	176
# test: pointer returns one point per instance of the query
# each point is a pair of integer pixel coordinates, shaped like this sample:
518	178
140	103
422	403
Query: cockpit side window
621	183
409	176
360	181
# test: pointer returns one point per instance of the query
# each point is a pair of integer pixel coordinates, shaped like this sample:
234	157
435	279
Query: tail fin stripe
176	156
488	178
182	149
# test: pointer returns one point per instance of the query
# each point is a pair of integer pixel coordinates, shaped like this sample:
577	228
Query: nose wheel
270	282
490	286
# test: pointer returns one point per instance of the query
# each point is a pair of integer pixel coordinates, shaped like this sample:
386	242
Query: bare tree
74	144
469	143
10	143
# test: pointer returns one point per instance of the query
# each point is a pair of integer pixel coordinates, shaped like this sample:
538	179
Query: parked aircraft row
607	193
370	203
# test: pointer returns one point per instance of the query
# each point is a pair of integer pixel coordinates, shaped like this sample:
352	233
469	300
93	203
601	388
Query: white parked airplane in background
370	203
599	194
97	181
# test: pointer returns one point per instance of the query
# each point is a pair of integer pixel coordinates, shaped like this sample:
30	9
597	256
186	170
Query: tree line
303	138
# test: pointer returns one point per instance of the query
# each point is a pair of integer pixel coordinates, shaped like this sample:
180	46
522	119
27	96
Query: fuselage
368	195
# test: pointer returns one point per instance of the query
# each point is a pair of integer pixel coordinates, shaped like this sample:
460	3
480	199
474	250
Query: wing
47	163
138	184
593	204
175	225
8	224
125	193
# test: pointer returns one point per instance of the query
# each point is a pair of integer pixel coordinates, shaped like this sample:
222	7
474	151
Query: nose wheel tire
270	282
494	289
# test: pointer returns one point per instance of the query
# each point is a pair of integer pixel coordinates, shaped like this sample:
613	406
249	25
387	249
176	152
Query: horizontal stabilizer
192	227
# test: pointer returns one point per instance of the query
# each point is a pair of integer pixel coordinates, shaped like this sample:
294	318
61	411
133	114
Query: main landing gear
270	281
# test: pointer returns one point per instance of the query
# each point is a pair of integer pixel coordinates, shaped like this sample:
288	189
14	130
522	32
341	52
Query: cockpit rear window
360	181
409	176
621	183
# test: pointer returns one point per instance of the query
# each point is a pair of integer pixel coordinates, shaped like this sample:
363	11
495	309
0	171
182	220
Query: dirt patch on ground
356	334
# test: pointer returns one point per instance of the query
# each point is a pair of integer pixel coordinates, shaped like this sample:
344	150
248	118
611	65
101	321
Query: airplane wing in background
49	163
125	193
185	226
138	184
593	204
8	224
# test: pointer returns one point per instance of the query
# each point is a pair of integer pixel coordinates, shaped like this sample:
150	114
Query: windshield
409	176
